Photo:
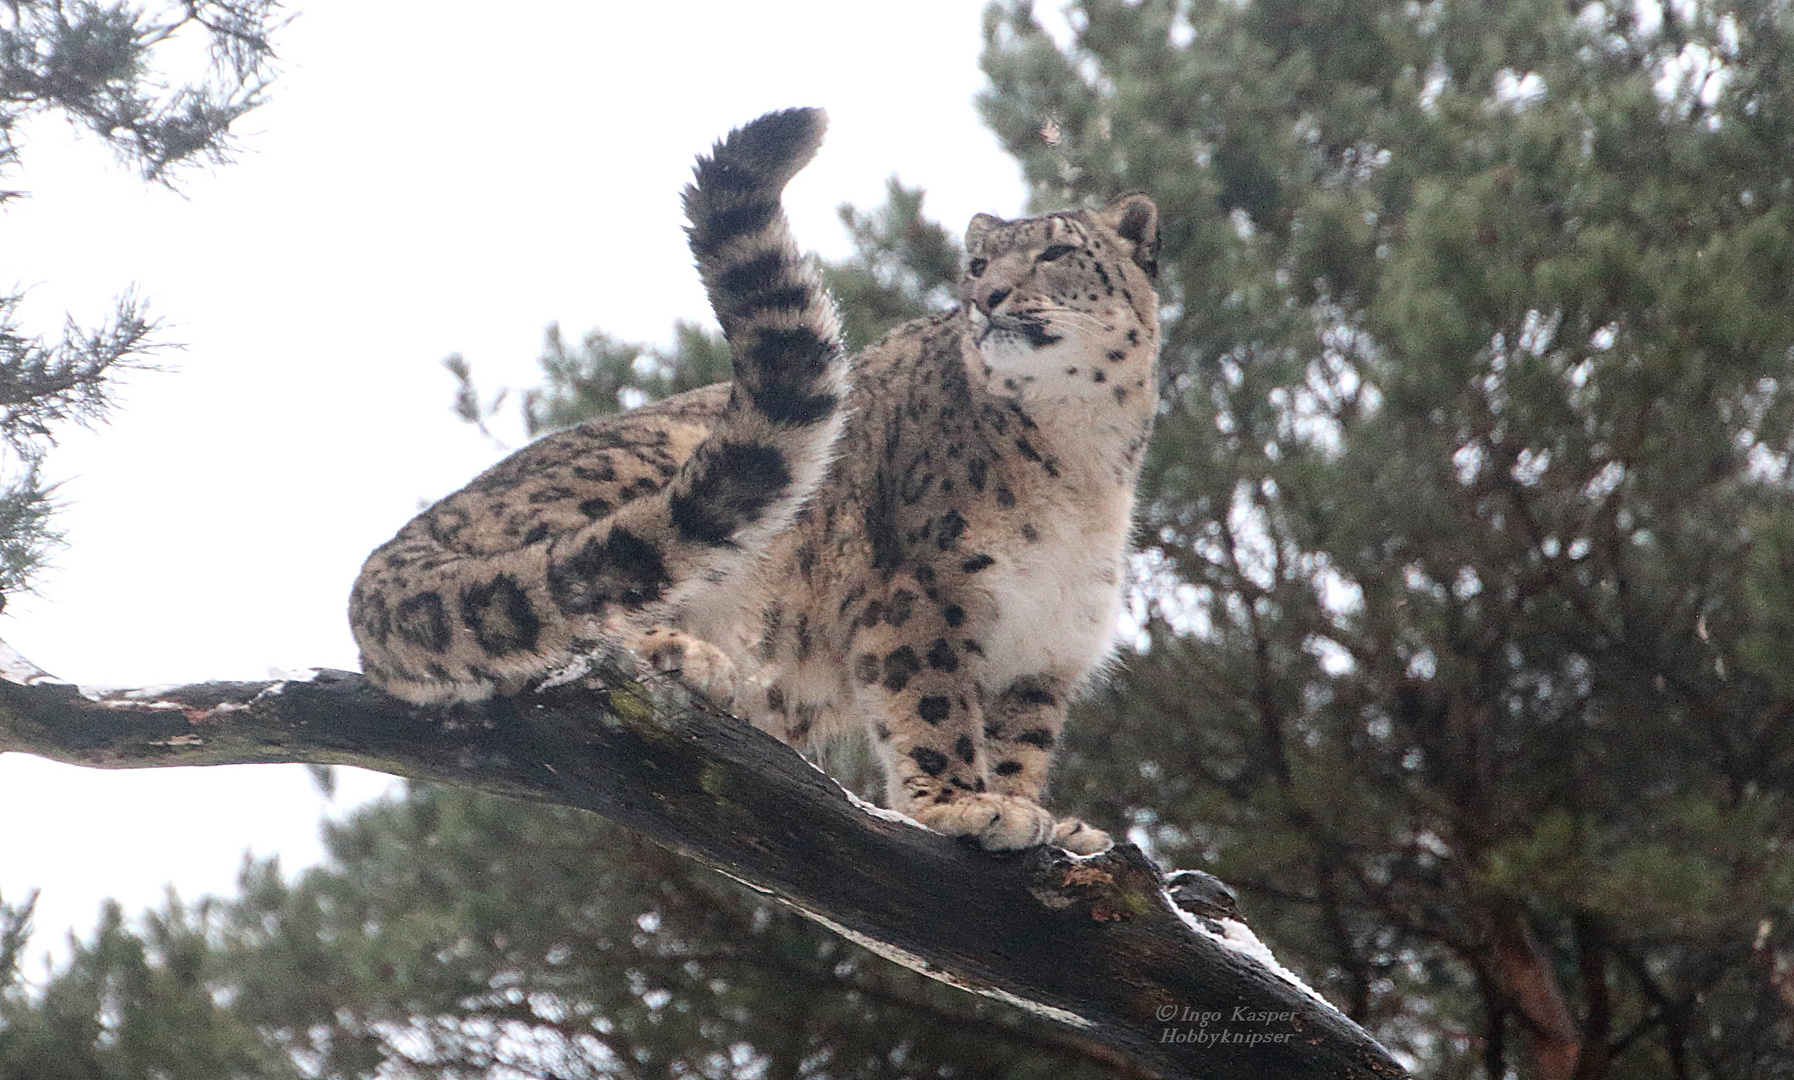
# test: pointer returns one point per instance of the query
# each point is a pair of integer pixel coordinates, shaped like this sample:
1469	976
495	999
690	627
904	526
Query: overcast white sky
427	179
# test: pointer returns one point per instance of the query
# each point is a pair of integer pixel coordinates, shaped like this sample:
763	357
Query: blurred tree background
1462	623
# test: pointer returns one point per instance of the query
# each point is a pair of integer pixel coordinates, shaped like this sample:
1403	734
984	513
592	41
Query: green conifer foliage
1465	582
128	1004
903	266
95	65
597	377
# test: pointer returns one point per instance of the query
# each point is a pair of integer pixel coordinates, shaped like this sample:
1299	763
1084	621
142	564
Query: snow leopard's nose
989	301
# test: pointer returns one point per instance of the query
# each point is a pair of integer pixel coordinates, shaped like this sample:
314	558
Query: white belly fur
1060	600
1061	596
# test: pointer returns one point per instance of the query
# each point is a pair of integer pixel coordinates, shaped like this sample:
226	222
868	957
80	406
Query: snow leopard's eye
1057	251
976	267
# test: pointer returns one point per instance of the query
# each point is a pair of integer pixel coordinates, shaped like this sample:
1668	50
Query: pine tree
1465	593
128	1004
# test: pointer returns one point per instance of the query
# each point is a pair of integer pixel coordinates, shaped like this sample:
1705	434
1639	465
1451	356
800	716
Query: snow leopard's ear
980	228
1134	218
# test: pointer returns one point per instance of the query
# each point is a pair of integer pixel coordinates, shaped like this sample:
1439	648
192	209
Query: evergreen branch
1095	943
90	62
15	931
43	384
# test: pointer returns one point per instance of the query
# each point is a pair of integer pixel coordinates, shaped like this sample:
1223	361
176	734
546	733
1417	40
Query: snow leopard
928	540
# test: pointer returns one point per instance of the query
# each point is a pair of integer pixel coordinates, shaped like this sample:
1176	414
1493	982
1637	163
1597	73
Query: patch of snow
880	812
144	693
1237	937
577	669
1075	857
15	668
281	675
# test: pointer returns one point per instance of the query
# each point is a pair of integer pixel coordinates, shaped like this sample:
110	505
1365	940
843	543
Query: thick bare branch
1096	943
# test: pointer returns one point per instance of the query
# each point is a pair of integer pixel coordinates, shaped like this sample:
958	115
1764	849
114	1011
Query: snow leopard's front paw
695	662
1079	838
997	822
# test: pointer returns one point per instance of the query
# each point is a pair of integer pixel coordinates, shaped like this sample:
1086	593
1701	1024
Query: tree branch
1095	943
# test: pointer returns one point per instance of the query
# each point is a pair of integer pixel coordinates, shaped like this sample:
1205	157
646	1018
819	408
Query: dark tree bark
1096	943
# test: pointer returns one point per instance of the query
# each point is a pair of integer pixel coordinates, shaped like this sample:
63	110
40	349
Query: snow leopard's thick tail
606	529
771	448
